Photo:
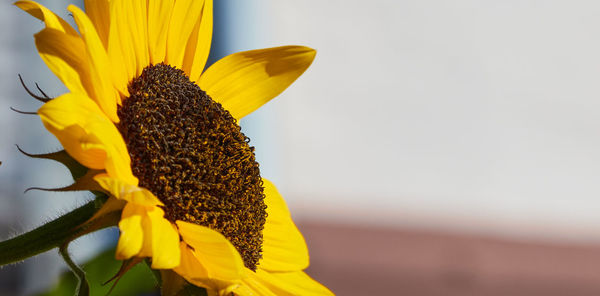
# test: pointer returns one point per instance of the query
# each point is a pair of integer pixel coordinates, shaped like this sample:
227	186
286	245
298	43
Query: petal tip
72	7
311	53
21	4
309	49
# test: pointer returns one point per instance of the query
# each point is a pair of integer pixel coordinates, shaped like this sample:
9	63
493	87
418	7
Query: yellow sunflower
162	136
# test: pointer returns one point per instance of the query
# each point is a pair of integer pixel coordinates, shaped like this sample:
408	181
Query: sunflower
161	136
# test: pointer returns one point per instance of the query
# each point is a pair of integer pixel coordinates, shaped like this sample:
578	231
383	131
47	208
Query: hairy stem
52	234
83	288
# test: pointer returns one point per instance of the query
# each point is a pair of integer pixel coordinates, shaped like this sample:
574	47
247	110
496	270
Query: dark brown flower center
190	152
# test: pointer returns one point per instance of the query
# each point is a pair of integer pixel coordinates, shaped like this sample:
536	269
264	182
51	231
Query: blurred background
433	147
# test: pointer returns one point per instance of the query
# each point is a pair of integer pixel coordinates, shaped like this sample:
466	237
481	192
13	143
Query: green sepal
172	284
126	265
77	170
83	183
82	175
191	290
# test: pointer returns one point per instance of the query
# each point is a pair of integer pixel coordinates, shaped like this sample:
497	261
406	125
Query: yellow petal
165	241
146	250
252	287
64	55
281	283
220	258
44	14
120	50
198	47
128	192
159	18
194	272
146	233
190	268
105	94
99	13
137	29
132	234
183	20
284	248
87	134
244	81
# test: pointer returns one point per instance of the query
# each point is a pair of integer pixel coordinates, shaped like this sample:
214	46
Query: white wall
466	115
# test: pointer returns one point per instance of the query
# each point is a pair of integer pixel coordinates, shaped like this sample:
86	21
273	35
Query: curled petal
44	14
220	258
128	192
64	54
195	272
132	234
87	134
146	233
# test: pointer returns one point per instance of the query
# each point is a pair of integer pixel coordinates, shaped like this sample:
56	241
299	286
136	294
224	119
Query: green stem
83	288
48	236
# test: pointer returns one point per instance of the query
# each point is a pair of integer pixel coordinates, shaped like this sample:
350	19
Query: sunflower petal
99	13
120	50
190	268
244	81
194	272
137	31
159	17
146	233
198	47
64	55
281	283
128	192
253	287
146	250
132	234
87	134
165	241
220	258
284	248
44	14
184	18
104	93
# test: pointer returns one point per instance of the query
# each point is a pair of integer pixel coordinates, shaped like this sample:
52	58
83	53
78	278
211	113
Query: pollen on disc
190	152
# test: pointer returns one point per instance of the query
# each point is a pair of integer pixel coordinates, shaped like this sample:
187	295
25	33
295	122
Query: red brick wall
376	261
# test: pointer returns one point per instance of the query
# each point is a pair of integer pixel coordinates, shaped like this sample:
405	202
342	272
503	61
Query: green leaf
139	280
